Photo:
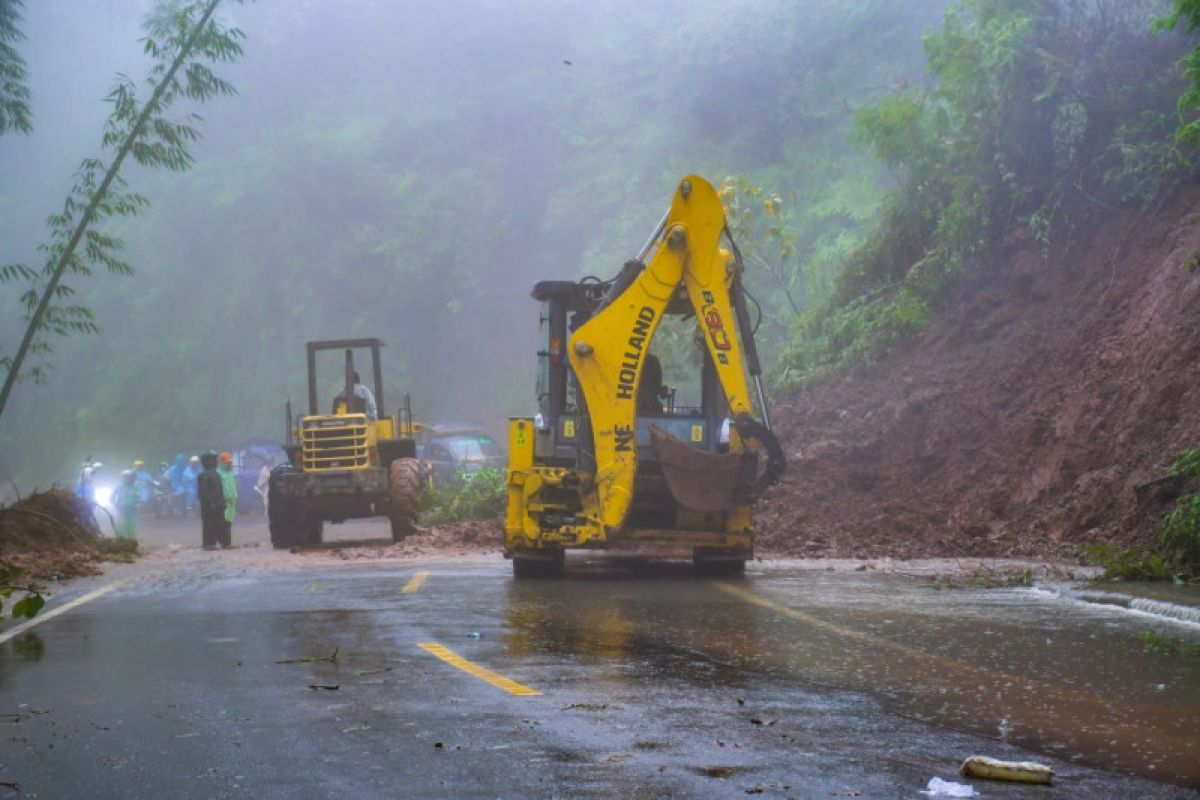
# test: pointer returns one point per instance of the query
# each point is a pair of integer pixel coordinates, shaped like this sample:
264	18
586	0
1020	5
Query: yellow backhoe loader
614	458
356	461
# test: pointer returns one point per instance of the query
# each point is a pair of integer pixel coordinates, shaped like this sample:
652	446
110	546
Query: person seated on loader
363	394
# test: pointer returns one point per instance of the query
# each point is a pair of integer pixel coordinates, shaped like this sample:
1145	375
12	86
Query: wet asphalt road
650	683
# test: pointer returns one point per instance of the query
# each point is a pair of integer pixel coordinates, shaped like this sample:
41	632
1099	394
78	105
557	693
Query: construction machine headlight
104	493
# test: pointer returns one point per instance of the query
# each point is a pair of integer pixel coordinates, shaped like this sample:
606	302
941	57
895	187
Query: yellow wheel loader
353	462
616	459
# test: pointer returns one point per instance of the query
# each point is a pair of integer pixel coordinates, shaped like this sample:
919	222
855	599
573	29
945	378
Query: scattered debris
474	635
997	770
331	658
379	671
940	788
438	745
328	687
586	707
49	535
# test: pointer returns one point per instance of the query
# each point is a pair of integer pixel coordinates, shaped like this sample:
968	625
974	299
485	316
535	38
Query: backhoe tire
548	565
708	566
283	517
404	491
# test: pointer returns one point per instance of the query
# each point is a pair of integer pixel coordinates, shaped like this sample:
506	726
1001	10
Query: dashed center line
483	673
415	582
64	608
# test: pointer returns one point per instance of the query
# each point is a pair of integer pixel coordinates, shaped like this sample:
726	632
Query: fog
407	171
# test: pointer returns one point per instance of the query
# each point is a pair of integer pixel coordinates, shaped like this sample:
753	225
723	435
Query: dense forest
396	171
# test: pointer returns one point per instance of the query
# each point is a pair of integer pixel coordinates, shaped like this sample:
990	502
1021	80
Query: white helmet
97	465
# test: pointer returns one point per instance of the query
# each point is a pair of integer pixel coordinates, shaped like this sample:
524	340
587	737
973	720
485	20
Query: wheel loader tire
404	490
282	517
311	529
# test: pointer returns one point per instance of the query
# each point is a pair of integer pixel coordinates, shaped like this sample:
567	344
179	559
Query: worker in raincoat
211	495
229	490
143	481
175	476
190	474
125	500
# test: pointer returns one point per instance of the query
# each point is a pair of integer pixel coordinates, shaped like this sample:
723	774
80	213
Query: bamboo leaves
14	94
183	38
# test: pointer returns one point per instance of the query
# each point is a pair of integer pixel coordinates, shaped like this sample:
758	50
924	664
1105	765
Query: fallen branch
331	658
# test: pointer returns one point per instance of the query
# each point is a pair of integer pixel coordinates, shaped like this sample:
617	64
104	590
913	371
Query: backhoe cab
615	458
357	461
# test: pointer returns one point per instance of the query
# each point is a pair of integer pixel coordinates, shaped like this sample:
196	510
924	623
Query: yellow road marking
484	674
64	608
415	582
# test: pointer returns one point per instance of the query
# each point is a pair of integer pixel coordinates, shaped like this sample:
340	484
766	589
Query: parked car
449	450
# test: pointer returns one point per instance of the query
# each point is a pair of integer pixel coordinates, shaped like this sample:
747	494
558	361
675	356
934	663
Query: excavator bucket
703	481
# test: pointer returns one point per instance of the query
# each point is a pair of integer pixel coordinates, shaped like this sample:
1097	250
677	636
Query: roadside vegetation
480	496
1040	119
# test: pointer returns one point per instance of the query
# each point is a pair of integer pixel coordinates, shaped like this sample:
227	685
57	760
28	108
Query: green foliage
182	39
1131	564
1170	645
481	495
1039	112
1179	531
31	600
14	93
1188	13
1143	159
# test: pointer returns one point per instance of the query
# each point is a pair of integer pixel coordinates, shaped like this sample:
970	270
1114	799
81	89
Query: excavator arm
608	351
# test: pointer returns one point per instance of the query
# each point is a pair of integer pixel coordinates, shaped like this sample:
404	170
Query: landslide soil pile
45	535
452	538
1026	420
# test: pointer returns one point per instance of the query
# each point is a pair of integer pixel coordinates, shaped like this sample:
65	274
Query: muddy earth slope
1027	419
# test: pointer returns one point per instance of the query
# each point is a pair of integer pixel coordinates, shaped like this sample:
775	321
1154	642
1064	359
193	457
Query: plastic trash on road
940	788
994	769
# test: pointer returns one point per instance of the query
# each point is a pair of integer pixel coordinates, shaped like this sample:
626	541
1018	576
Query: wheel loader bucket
702	481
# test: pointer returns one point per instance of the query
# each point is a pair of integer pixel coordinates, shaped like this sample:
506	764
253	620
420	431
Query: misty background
408	171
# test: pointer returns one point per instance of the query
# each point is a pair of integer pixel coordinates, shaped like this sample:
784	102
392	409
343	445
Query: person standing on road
263	487
212	502
143	481
229	491
190	474
126	499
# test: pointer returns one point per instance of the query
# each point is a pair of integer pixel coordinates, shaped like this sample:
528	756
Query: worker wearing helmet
212	502
142	480
229	491
125	501
85	487
190	473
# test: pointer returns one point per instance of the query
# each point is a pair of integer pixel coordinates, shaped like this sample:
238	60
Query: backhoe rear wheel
710	563
547	564
404	489
283	516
